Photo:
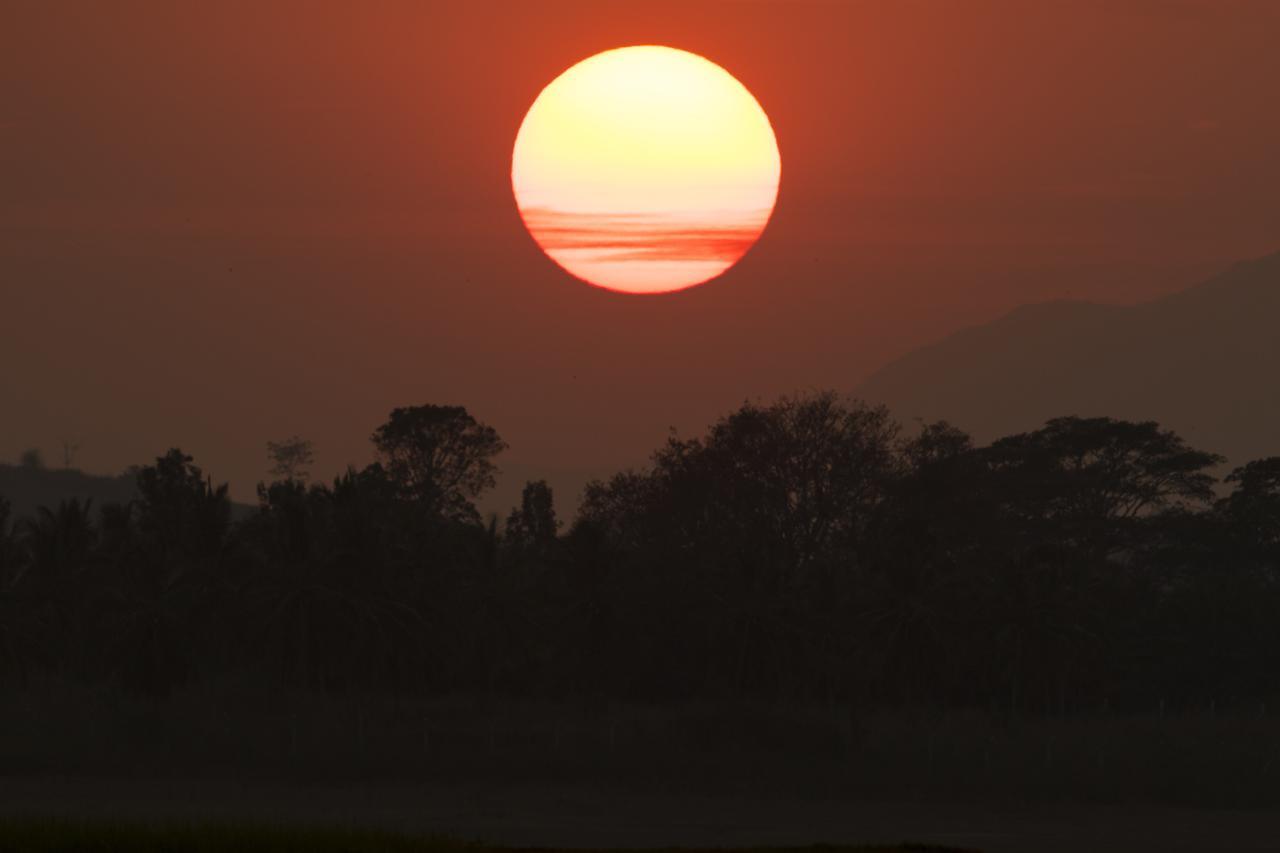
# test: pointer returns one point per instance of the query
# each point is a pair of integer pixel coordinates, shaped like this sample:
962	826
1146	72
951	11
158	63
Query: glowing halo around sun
645	170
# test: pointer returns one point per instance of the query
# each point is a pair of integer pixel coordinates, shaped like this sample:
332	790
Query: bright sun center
645	170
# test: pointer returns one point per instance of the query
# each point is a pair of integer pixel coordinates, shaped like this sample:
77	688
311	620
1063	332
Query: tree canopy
440	457
806	549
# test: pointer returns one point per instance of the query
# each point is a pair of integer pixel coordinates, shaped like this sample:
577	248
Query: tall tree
9	554
439	457
291	459
20	621
1254	505
532	526
59	541
1090	482
179	508
791	483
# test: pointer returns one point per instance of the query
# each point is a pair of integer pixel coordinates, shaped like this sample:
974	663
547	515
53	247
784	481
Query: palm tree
58	545
19	647
58	542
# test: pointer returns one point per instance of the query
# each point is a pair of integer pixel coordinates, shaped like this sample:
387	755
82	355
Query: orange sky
233	222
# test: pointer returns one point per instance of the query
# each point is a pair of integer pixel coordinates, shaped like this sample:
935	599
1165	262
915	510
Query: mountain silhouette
27	488
1204	362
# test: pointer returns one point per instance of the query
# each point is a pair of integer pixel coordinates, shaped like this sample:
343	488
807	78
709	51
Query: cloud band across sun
645	170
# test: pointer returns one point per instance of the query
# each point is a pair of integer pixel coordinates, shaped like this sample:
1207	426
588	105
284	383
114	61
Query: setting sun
645	170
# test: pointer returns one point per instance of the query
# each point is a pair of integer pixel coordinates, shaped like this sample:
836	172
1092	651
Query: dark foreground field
44	835
524	774
592	818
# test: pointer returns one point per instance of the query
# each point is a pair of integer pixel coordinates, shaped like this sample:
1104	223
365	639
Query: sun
645	169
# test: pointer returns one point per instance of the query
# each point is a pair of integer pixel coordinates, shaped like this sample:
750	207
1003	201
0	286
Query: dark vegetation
1075	608
30	485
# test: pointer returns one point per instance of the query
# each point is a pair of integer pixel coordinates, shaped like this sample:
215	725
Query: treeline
804	551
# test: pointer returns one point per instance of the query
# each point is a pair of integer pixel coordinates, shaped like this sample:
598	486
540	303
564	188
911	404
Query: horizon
301	224
510	480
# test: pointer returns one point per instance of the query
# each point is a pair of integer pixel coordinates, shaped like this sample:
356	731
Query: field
162	812
527	774
36	835
1199	758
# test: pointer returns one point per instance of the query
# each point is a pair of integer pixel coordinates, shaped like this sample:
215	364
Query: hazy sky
222	223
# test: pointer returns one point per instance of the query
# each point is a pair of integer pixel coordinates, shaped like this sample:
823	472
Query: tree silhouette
533	525
9	553
439	457
1253	508
183	522
19	621
802	550
58	542
323	609
1093	480
178	508
291	458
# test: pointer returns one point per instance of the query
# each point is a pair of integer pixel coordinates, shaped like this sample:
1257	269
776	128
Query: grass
48	835
1223	758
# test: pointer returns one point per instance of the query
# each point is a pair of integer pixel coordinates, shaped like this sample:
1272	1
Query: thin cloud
628	237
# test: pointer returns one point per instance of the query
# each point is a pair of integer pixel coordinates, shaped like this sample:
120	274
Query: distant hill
1205	362
28	488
